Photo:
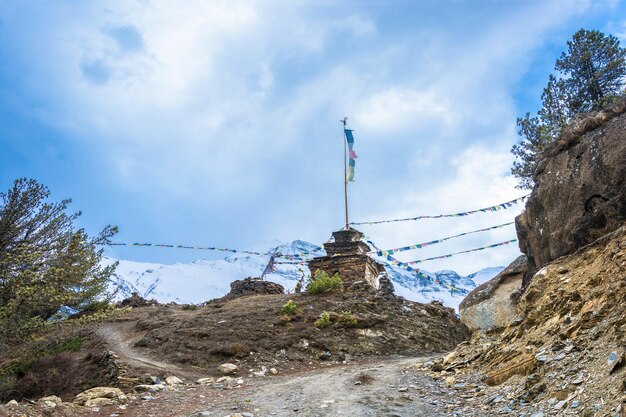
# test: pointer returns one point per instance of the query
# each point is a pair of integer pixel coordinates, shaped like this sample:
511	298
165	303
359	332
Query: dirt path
387	388
383	389
116	336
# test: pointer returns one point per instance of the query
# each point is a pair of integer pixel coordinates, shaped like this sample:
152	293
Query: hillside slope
565	353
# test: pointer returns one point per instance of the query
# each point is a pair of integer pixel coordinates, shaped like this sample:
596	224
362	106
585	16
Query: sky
217	123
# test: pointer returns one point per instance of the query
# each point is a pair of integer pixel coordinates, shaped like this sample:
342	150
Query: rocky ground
384	387
565	352
265	341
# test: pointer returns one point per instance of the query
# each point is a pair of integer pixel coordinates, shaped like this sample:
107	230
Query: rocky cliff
580	188
552	331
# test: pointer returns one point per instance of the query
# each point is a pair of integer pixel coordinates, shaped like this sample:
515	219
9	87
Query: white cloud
399	109
237	102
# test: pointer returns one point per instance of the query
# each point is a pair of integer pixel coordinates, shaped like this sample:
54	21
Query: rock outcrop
562	322
253	286
492	305
580	188
135	300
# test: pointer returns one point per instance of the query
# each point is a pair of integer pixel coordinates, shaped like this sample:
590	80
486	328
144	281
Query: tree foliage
592	74
45	261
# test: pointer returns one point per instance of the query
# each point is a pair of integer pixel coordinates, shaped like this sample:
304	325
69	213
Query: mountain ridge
203	279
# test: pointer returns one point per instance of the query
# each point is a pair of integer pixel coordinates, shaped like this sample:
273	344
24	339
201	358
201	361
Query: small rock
149	388
450	381
449	358
12	403
273	371
173	380
358	383
575	404
615	359
205	381
101	396
227	368
224	379
579	379
537	414
204	414
49	405
52	398
325	355
403	389
147	398
560	405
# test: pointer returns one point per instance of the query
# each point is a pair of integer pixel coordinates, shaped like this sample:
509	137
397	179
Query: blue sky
217	123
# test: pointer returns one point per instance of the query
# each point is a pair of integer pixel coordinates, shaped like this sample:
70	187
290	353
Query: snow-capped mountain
203	280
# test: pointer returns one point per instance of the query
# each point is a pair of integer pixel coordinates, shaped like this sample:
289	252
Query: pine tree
594	68
45	262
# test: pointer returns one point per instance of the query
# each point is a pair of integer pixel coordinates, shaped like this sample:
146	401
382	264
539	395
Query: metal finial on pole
345	169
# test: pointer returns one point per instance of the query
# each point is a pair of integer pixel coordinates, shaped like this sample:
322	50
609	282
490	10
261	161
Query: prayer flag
351	155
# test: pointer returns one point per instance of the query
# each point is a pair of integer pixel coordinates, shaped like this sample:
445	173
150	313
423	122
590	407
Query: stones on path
205	381
227	368
173	380
149	388
101	396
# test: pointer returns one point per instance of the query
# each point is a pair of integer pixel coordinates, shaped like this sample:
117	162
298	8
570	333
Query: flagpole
345	169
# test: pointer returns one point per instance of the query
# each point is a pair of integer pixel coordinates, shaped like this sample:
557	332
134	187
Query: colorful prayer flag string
456	253
390	260
497	207
298	256
433	242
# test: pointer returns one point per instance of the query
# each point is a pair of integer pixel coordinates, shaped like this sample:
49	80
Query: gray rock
173	380
579	193
492	305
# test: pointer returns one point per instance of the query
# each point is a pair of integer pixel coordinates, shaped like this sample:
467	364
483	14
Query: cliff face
580	188
552	332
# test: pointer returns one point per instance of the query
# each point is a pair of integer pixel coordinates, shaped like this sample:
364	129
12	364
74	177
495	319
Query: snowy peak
203	280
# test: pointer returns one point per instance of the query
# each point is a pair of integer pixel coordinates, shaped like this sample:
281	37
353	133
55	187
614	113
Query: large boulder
580	188
492	305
